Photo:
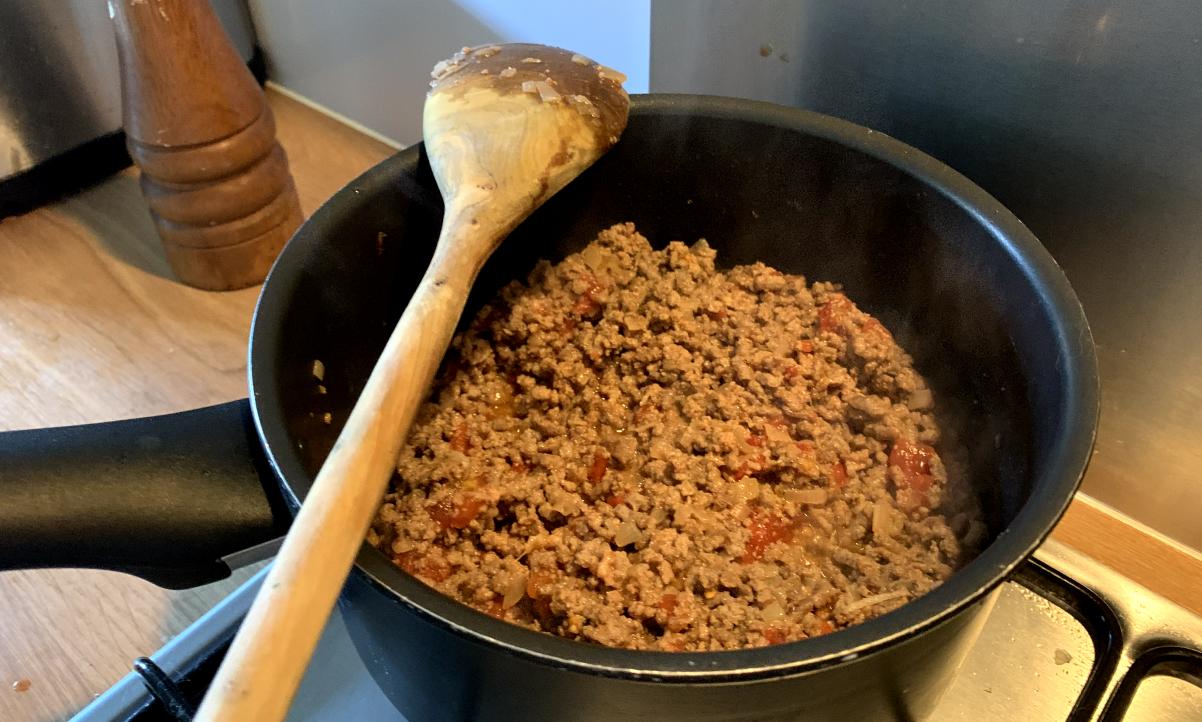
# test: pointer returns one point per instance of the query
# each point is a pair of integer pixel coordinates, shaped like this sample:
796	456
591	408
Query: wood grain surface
1143	556
93	328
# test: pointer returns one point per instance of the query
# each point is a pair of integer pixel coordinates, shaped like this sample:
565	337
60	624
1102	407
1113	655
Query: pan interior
962	285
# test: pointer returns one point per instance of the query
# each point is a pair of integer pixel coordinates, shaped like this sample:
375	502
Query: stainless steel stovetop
1067	639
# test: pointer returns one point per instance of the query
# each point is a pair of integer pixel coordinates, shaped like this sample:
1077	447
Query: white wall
370	60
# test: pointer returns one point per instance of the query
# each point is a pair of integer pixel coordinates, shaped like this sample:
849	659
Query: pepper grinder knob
199	128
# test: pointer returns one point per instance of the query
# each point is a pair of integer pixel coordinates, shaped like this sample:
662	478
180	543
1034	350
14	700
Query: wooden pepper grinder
198	126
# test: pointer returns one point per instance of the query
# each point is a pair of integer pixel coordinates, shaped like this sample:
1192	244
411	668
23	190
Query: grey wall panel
1082	116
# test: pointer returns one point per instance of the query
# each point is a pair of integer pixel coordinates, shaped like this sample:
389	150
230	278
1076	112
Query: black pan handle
167	498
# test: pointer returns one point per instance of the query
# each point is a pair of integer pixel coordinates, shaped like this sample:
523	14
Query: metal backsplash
1082	116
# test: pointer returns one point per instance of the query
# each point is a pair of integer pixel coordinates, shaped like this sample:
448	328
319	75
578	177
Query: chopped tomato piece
740	472
436	570
839	473
773	635
755	440
766	529
519	465
596	472
410	562
913	478
913	497
911	457
460	441
427	567
587	304
791	371
668	603
873	327
615	500
806	346
825	627
716	315
455	514
538	583
833	313
538	588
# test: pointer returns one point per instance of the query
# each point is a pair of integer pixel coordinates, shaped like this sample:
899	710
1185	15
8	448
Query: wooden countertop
95	329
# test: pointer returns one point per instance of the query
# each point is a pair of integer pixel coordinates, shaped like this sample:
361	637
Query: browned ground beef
636	449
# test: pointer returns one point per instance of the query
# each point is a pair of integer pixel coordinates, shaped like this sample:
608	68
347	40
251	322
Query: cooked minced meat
636	449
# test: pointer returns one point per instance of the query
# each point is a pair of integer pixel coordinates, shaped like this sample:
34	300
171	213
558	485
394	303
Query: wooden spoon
505	127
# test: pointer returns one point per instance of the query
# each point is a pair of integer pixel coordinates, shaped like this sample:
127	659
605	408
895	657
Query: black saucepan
960	281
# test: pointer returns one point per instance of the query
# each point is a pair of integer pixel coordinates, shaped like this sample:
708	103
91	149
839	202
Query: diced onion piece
815	497
531	60
546	93
584	106
611	74
514	591
873	600
627	533
508	72
564	504
772	612
884	521
441	68
778	434
594	256
580	59
319	370
920	399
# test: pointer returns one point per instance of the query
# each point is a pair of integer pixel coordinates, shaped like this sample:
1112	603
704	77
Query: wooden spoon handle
265	664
